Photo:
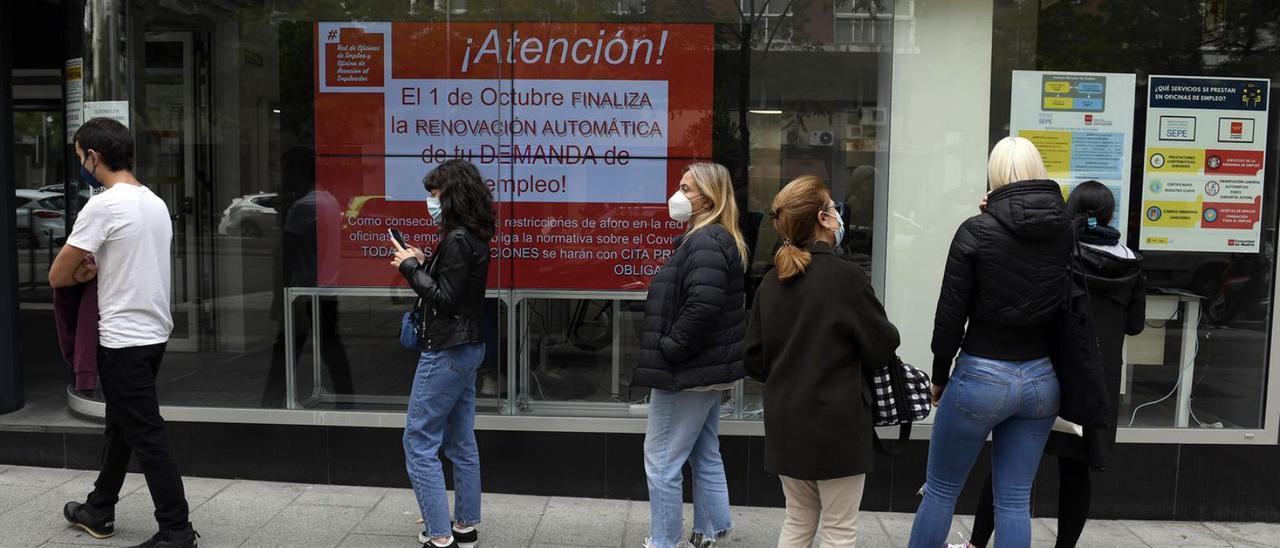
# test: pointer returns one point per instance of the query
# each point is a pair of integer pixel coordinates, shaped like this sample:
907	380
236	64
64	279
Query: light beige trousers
828	505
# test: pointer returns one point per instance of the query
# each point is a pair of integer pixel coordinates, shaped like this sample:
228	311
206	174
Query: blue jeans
684	426
442	415
1016	403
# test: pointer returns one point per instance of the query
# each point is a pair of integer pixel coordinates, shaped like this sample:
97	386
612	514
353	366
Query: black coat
1005	276
812	340
1118	305
694	315
451	290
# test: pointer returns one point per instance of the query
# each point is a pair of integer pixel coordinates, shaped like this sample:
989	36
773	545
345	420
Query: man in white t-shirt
122	237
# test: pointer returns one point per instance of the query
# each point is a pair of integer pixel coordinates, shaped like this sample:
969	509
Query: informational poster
73	93
1083	125
116	110
1204	158
581	132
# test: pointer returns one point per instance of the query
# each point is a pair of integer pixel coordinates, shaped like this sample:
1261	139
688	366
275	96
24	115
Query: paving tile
341	495
247	503
361	540
1108	533
500	506
33	476
395	515
582	522
1247	534
1166	533
897	526
13	496
311	526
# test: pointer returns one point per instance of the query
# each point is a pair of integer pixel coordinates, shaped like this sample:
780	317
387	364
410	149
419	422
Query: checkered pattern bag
901	394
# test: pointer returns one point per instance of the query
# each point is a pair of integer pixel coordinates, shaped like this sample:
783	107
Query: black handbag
1077	357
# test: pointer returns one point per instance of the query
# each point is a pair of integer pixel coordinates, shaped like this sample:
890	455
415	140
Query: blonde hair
713	181
795	218
1014	159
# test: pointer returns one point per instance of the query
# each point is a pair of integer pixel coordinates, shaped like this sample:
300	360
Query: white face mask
434	209
679	207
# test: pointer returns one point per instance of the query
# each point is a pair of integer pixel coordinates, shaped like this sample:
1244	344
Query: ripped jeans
684	426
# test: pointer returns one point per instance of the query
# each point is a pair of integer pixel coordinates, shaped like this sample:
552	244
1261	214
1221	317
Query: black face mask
87	176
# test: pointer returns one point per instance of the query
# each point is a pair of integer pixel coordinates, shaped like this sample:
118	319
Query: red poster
580	131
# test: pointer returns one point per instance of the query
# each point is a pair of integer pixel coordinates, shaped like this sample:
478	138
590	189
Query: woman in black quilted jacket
690	352
816	332
1117	302
1004	280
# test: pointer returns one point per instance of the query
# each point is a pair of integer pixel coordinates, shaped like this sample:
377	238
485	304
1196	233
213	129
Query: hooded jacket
1116	289
1005	277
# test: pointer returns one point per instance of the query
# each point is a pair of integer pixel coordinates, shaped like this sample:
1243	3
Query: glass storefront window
287	136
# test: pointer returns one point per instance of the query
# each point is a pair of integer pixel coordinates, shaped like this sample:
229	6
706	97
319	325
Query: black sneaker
698	541
172	538
99	524
467	539
426	541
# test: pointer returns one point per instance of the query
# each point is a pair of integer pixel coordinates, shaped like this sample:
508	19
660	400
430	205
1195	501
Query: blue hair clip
1093	222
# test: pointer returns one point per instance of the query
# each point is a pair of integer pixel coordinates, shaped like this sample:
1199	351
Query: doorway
173	151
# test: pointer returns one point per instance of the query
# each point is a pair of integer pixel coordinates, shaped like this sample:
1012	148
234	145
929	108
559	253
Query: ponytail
795	218
791	260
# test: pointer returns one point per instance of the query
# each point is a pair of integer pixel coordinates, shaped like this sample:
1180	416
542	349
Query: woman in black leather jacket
442	403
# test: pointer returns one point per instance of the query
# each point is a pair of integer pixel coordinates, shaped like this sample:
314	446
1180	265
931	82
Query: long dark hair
465	200
1092	199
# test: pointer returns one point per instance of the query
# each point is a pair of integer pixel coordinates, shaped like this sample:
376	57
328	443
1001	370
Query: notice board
581	131
1203	173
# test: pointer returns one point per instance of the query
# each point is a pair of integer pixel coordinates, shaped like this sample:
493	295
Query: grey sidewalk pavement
254	513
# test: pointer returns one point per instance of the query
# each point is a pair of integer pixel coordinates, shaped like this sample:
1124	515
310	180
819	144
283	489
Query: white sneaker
964	544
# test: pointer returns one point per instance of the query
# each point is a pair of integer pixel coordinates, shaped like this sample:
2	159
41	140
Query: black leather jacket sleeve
443	289
954	303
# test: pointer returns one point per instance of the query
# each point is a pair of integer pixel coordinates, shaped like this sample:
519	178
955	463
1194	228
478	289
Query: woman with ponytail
690	353
816	331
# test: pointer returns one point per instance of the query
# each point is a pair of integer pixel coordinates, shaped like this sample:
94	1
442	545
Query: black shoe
99	524
698	541
426	541
468	539
172	538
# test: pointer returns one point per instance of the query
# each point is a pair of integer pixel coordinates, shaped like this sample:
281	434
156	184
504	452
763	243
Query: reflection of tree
1149	37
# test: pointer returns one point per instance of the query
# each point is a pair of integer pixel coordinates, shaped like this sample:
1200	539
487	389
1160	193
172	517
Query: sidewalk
252	513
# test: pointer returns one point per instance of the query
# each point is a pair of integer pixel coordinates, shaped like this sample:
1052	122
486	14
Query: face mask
839	230
679	207
88	178
434	209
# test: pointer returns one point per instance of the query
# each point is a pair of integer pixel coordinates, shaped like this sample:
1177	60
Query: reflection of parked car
41	220
251	216
84	193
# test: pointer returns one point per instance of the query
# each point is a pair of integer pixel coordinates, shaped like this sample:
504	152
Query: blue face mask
839	230
434	209
88	178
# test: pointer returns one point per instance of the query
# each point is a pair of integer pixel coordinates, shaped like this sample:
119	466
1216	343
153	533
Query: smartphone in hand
398	237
